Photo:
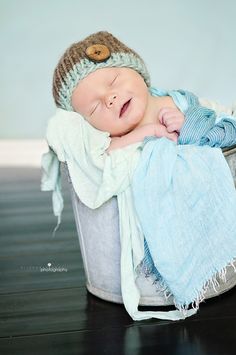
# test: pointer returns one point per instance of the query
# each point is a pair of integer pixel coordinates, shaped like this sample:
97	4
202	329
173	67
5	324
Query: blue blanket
201	127
185	200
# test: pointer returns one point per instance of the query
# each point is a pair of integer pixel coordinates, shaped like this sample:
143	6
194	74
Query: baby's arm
138	134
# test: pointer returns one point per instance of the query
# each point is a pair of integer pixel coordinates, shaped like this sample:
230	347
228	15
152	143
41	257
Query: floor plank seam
42	290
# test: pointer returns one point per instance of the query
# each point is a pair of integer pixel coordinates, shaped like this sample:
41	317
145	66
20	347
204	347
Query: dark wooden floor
46	312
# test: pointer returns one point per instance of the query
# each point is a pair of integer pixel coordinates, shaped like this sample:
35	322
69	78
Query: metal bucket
98	232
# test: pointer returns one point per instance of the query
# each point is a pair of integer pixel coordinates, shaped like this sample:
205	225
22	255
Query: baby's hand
161	131
172	118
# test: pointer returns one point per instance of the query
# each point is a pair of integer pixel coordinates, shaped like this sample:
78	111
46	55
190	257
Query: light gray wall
185	43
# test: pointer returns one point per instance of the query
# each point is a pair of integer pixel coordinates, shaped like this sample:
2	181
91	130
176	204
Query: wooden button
98	52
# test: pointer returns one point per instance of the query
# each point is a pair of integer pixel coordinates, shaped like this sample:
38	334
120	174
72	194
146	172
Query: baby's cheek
137	114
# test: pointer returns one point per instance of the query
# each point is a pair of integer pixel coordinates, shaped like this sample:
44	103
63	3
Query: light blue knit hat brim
81	69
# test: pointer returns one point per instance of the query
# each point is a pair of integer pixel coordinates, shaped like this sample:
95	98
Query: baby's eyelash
114	80
94	109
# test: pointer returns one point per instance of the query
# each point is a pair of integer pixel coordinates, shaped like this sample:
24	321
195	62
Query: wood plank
26	242
99	327
61	310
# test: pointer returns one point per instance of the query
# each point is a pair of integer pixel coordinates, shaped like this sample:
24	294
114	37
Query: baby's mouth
124	107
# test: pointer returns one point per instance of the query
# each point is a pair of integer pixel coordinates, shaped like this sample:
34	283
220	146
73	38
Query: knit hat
99	50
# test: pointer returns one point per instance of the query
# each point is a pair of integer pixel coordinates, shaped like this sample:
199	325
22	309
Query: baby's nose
110	100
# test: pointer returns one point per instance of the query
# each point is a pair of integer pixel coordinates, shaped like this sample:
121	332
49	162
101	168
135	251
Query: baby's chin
121	132
128	125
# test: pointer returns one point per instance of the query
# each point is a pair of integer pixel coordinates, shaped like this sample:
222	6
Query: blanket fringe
211	283
161	286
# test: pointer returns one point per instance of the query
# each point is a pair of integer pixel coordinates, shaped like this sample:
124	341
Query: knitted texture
75	65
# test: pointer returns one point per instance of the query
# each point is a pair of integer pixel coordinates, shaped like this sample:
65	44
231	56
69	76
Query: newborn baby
117	100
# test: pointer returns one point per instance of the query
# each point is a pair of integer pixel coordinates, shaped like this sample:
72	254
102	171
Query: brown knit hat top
99	50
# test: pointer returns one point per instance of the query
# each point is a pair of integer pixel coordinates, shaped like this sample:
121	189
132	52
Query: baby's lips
124	107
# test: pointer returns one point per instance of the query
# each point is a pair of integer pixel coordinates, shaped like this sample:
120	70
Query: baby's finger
165	112
173	127
172	136
170	117
174	123
161	130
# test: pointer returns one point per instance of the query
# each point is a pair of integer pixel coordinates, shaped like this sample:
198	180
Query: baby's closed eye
113	81
94	109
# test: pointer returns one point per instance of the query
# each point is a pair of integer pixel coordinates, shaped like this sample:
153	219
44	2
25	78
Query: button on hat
98	52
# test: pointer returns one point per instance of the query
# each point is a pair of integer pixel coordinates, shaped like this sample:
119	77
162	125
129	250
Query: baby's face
112	99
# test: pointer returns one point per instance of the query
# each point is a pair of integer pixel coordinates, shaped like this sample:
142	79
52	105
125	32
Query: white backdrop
185	43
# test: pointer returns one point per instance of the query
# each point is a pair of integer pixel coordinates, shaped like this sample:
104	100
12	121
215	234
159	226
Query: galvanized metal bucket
98	232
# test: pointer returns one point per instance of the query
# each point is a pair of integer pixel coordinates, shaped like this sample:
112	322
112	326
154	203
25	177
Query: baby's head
103	80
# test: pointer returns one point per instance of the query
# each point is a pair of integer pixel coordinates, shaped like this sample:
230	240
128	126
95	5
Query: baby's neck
153	107
155	104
